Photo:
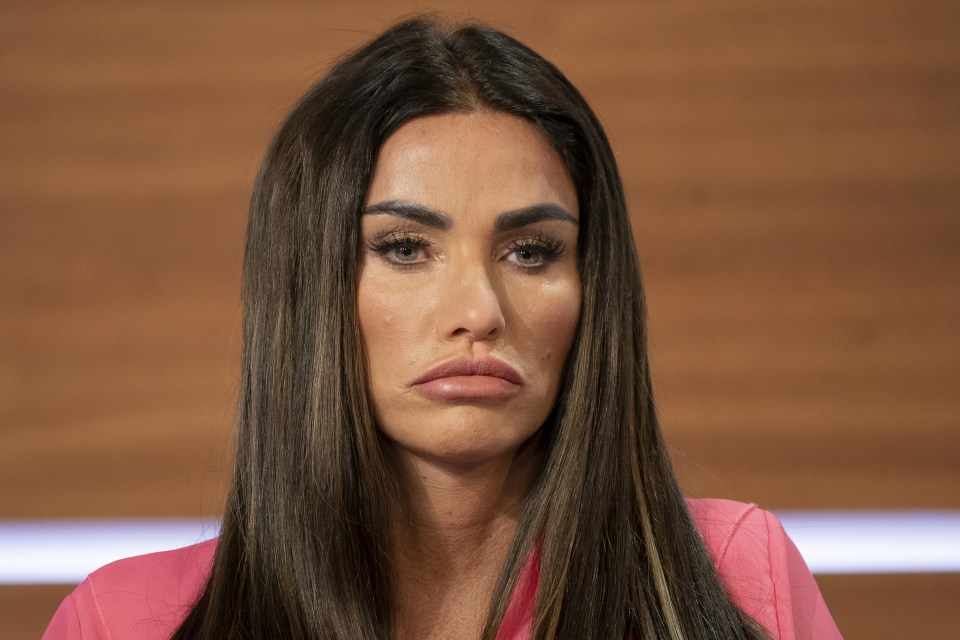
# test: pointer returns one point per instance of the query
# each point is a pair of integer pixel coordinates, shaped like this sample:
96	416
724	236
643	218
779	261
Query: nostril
477	322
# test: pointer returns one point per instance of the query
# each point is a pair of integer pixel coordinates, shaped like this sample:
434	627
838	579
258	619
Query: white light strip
65	551
876	541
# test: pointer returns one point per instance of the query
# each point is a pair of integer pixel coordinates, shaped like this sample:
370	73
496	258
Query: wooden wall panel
790	167
792	175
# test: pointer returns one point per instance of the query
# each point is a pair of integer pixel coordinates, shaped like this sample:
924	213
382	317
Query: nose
472	307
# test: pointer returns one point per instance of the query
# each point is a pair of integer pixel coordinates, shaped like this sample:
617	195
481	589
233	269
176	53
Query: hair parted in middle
303	548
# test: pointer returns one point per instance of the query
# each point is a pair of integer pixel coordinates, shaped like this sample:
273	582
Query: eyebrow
534	213
439	220
411	211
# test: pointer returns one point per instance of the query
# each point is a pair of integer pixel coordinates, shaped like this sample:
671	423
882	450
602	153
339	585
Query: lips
466	379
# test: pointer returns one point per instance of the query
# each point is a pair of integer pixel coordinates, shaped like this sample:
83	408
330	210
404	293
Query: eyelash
384	244
548	248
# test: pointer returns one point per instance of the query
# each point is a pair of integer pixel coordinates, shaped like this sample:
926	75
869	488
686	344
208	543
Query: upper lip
486	366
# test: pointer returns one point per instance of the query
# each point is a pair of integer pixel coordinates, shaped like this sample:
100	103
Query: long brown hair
302	548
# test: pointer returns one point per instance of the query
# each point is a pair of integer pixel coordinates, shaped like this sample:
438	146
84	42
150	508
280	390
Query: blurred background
792	170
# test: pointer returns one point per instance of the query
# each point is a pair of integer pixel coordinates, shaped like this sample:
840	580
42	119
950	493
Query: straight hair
302	552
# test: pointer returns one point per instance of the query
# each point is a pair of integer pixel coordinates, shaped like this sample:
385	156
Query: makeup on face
487	378
469	289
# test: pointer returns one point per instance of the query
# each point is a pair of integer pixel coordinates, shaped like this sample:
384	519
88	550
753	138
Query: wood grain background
792	172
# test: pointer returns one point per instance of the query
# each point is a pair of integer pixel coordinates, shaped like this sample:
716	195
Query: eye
534	252
528	257
399	248
405	252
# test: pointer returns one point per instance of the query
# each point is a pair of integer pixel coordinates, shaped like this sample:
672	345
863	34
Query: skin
464	276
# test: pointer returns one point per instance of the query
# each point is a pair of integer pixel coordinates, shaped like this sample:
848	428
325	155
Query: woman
446	425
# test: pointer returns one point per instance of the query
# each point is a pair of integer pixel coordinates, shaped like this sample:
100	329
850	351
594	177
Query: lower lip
468	388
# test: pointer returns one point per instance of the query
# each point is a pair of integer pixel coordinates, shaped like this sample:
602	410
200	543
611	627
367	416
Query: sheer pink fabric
146	597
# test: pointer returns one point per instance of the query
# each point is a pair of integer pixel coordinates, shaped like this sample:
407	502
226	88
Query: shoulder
735	533
141	597
761	569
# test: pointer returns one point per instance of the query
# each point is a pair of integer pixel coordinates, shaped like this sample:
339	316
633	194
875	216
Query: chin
471	442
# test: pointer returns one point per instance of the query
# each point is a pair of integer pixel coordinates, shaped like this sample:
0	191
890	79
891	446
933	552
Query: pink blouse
146	597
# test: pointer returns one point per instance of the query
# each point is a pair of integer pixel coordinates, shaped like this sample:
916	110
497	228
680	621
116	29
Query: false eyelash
393	239
549	247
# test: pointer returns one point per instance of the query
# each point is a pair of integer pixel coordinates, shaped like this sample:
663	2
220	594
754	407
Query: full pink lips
465	379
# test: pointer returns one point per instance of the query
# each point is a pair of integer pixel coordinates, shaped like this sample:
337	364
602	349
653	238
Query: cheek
552	318
391	319
374	315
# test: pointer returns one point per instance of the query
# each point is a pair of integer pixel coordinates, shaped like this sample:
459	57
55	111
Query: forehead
483	162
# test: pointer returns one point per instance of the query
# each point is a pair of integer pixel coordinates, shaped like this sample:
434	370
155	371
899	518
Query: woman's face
469	291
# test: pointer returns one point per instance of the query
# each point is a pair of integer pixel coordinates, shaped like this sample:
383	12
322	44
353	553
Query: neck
461	515
452	538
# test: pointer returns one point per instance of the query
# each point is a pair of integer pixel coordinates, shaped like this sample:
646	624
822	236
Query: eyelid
548	247
394	237
538	240
384	244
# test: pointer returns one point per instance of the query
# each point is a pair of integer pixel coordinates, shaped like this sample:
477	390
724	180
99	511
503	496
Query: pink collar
518	617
